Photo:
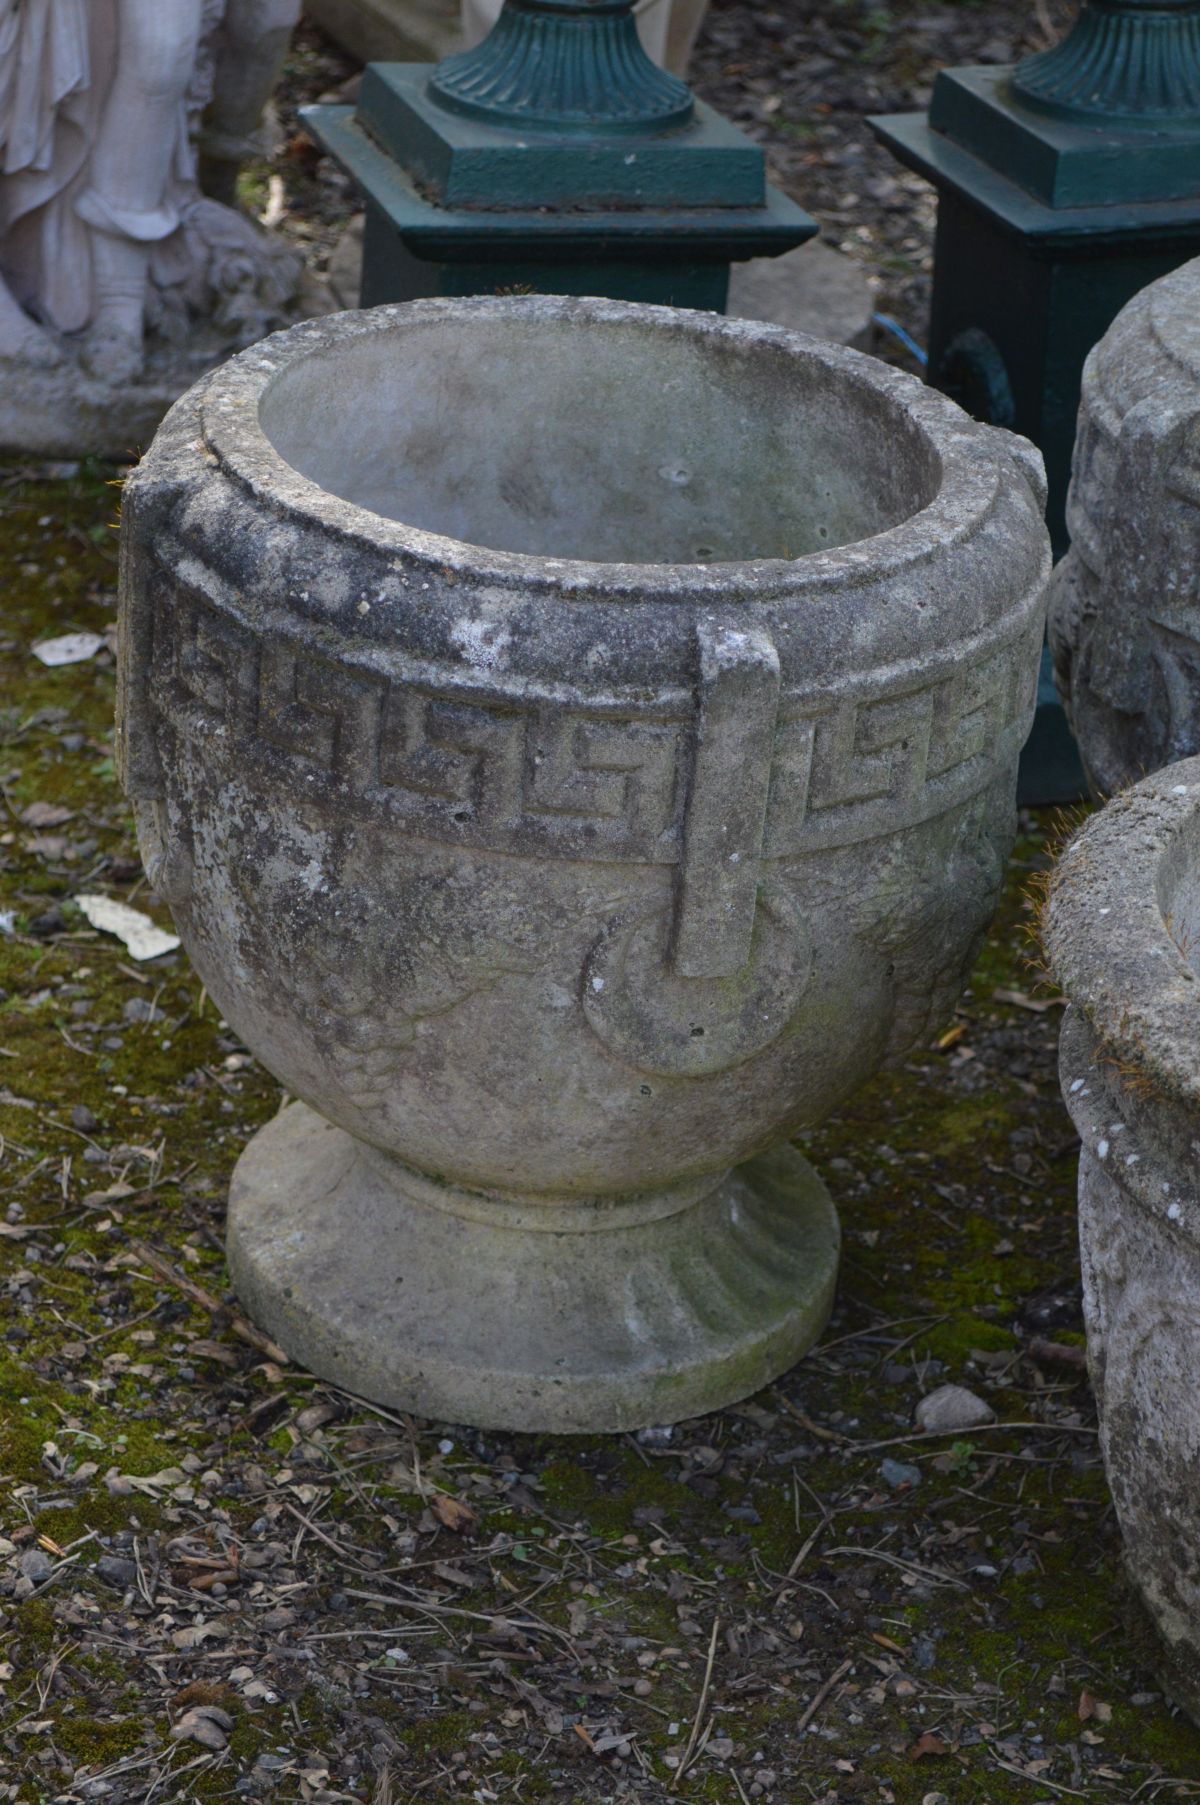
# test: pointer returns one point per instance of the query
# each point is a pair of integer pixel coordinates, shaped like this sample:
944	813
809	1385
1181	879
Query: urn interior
585	438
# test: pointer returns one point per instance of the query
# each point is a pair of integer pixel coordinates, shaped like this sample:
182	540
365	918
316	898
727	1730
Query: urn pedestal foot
577	1317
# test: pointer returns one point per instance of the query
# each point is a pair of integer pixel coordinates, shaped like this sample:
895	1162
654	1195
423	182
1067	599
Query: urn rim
1113	942
1151	350
974	464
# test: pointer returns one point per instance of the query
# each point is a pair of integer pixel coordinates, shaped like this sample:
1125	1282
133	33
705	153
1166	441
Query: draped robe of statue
102	223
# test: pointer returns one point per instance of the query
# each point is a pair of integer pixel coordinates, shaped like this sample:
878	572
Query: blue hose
906	339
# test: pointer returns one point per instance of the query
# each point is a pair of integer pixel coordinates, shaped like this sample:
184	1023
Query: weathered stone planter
1125	601
1122	937
578	742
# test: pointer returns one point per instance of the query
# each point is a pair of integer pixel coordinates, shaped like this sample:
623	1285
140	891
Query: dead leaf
47	846
68	648
453	1576
46	814
212	1350
928	1744
1091	1706
452	1513
140	936
196	1633
206	1724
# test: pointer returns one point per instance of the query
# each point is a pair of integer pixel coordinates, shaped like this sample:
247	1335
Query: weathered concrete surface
592	1317
814	289
1122	938
578	742
1125	601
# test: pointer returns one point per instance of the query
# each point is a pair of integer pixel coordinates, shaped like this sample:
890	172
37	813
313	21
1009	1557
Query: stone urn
1125	601
578	743
1122	936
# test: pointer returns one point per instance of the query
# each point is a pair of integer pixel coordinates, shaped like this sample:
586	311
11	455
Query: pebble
898	1475
117	1572
952	1407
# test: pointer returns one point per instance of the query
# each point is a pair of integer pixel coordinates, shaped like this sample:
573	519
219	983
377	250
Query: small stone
83	1119
951	1408
899	1476
35	1566
117	1572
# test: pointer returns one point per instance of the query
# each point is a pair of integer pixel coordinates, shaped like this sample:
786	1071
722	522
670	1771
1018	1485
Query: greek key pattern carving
609	780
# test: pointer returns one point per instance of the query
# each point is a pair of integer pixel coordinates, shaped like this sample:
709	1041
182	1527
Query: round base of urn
587	1316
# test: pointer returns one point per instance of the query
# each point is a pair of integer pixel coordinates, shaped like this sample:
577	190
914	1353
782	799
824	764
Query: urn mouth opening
574	436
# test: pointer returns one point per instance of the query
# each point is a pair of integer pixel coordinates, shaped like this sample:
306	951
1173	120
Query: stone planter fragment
578	742
1121	933
1125	601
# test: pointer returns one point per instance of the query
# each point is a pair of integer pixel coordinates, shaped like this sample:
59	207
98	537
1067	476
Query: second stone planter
1125	601
1123	936
578	742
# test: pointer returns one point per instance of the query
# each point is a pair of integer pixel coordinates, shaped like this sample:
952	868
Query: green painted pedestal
1065	185
554	157
1025	280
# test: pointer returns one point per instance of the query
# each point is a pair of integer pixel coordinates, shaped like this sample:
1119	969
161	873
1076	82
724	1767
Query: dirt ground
221	1579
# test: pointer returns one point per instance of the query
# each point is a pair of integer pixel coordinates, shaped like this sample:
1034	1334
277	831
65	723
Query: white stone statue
107	242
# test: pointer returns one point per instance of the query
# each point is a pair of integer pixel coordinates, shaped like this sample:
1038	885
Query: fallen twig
925	1435
816	1429
893	1560
681	1770
245	1331
822	1693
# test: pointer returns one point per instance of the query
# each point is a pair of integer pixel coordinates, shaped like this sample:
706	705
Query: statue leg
251	46
126	199
21	339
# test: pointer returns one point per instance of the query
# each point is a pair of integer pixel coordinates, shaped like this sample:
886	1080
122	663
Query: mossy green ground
553	1642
